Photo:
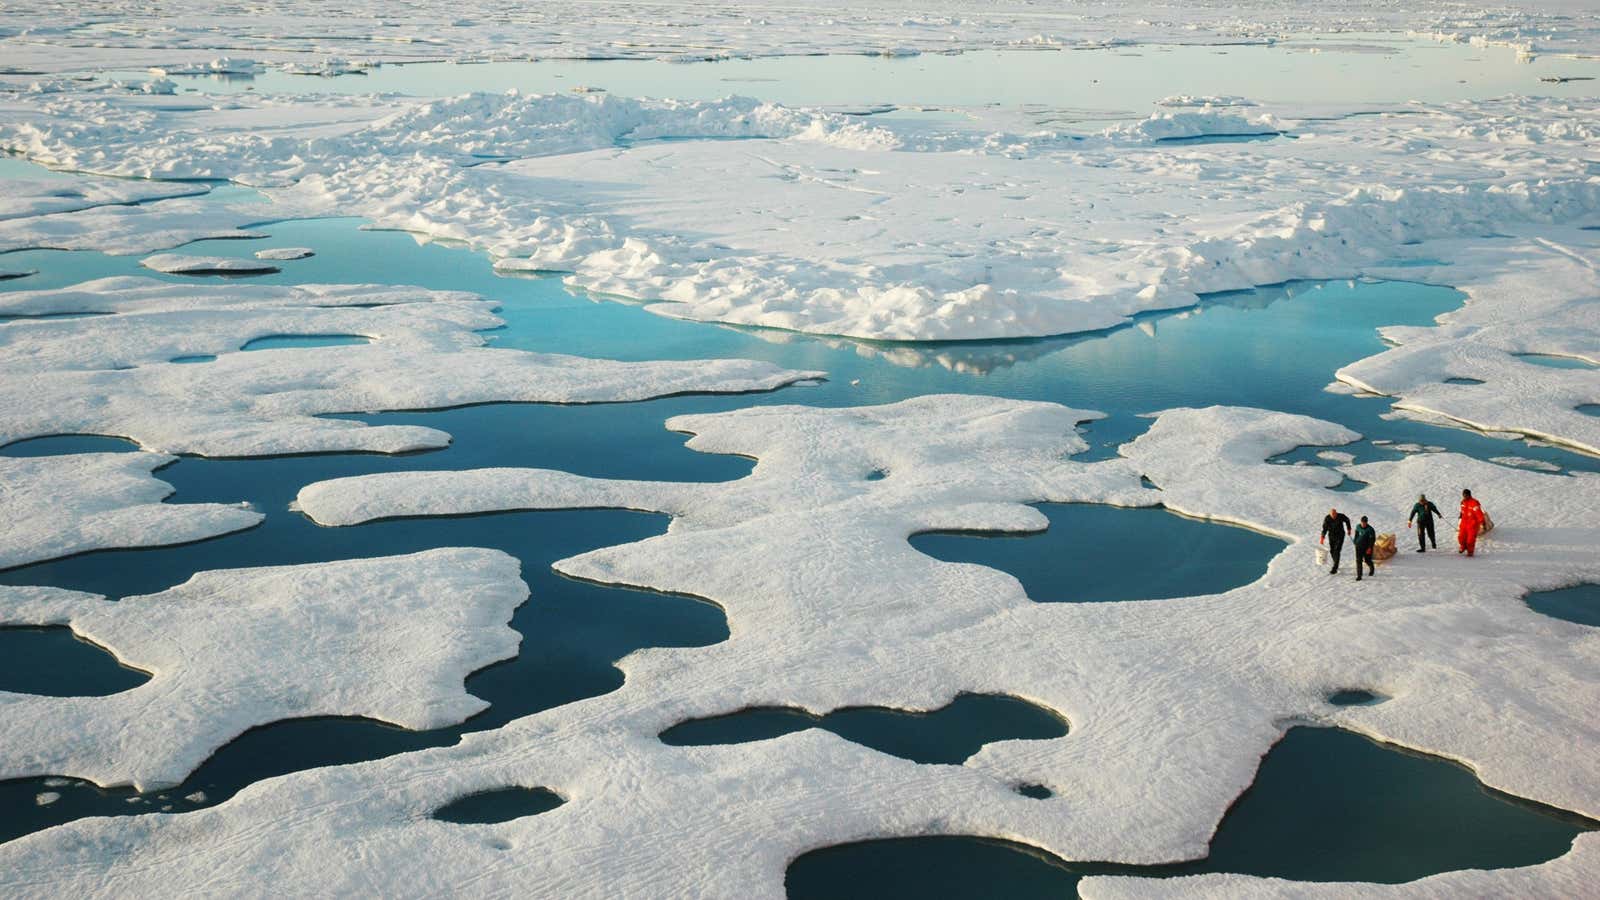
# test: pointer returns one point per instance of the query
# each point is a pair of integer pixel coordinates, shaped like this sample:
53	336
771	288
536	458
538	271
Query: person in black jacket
1424	511
1366	538
1335	525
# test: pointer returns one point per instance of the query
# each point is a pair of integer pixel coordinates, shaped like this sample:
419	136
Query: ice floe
801	546
285	253
1527	296
111	374
389	638
53	506
34	197
185	264
125	230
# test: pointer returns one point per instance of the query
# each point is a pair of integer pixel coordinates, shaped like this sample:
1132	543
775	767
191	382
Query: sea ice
796	554
1527	296
34	197
286	253
389	638
57	38
109	374
52	506
185	264
125	230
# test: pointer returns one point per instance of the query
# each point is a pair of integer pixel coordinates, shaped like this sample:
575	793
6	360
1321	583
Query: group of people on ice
1336	525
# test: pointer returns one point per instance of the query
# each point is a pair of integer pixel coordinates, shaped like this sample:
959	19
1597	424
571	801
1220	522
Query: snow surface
185	264
125	230
33	197
806	221
389	638
110	374
795	554
60	36
836	225
52	506
286	253
1532	295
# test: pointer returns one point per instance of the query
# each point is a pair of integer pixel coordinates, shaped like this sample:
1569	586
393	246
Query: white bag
1322	556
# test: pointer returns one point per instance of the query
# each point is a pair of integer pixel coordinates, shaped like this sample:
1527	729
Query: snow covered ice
1137	782
854	313
385	638
61	505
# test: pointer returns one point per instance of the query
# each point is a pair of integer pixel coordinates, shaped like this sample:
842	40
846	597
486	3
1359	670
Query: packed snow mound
390	639
222	65
1206	121
797	553
329	67
185	264
61	505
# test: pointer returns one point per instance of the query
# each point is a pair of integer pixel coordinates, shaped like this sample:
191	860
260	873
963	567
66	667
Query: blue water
1579	604
948	735
282	341
54	662
1326	805
1355	697
73	443
1274	347
503	805
1079	558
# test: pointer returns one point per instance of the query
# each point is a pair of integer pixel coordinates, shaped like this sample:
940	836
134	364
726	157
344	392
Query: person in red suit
1471	523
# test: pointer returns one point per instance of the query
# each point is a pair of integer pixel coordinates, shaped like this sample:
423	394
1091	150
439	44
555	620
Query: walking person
1471	523
1366	537
1335	525
1424	511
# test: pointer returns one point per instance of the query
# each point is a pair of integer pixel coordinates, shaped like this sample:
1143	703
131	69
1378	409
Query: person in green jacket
1366	537
1424	511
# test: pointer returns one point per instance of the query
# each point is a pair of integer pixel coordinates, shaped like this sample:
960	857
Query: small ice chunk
277	253
183	264
46	798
